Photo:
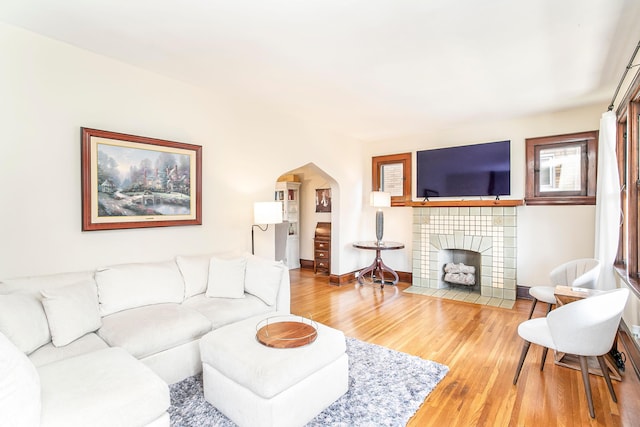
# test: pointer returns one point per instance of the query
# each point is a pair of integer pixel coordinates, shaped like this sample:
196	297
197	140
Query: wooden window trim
403	158
587	194
628	152
633	180
622	156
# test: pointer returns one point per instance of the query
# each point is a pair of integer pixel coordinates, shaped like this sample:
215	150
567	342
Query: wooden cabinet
289	194
322	248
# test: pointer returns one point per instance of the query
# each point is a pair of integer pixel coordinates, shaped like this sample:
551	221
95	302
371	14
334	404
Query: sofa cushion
195	273
104	388
34	284
19	387
23	321
223	311
125	286
157	327
262	279
49	353
72	311
226	278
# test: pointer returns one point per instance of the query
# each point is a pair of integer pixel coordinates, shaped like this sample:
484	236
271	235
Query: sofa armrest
283	302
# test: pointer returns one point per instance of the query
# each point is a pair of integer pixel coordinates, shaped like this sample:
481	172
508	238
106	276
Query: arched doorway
318	202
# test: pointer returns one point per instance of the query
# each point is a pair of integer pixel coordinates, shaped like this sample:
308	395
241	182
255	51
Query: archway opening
318	203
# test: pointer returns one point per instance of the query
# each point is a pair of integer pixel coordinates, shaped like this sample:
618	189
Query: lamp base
379	225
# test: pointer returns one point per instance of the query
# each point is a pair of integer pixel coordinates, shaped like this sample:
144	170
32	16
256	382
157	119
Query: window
628	152
561	170
392	174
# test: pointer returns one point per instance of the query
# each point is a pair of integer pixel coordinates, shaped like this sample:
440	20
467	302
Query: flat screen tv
468	170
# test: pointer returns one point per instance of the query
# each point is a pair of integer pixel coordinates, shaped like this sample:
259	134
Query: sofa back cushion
263	278
23	321
72	311
35	284
125	286
22	316
226	278
195	272
20	401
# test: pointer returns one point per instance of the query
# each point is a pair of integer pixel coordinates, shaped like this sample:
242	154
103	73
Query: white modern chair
584	328
580	273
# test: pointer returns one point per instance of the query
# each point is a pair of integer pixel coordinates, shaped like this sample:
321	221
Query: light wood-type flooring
481	347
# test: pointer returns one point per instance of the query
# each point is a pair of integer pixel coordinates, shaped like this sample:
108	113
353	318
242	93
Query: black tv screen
469	170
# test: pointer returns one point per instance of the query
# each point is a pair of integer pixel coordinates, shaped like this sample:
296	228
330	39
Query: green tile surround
490	231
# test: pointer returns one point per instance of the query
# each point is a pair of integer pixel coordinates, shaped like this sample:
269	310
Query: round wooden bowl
286	332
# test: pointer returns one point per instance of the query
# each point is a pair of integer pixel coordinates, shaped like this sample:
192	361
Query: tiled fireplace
487	231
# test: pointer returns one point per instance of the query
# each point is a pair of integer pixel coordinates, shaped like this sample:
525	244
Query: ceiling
372	69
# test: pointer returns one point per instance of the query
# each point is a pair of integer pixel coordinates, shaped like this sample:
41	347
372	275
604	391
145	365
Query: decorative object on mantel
466	203
265	213
133	181
323	200
379	200
392	382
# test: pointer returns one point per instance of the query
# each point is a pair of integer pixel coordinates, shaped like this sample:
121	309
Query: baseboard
522	292
307	264
343	279
630	348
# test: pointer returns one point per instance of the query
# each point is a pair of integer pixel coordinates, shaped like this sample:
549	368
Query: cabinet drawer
323	245
321	255
322	265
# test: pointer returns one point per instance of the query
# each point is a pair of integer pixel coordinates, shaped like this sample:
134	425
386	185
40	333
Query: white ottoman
255	385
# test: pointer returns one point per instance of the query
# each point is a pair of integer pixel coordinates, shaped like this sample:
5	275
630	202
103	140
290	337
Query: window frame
588	141
628	155
377	162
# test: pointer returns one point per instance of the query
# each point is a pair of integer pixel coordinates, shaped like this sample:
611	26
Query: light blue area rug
386	388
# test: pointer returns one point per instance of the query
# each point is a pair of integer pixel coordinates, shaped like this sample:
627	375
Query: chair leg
607	377
544	357
533	305
584	368
549	308
525	349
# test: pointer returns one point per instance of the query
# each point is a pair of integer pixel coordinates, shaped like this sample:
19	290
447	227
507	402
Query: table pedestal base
377	271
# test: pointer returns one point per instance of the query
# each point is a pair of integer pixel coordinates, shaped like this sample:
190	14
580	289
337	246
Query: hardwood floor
479	344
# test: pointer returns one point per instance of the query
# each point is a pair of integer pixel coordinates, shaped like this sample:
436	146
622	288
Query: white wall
51	89
547	235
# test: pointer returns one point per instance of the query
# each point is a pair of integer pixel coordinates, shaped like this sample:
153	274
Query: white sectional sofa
99	347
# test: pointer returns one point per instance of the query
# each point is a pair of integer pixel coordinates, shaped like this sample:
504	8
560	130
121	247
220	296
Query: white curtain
607	202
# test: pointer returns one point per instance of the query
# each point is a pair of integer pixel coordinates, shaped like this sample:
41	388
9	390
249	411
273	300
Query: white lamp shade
267	212
380	199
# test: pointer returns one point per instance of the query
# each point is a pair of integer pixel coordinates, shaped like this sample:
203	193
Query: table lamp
380	199
265	213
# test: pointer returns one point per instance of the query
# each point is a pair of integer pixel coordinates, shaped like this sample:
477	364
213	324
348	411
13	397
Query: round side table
378	268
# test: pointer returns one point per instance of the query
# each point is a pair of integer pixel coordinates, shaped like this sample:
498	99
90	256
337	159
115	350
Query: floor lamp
379	200
265	213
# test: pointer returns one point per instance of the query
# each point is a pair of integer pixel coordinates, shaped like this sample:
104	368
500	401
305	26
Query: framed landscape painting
132	181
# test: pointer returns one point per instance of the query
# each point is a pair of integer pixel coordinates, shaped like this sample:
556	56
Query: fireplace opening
460	269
